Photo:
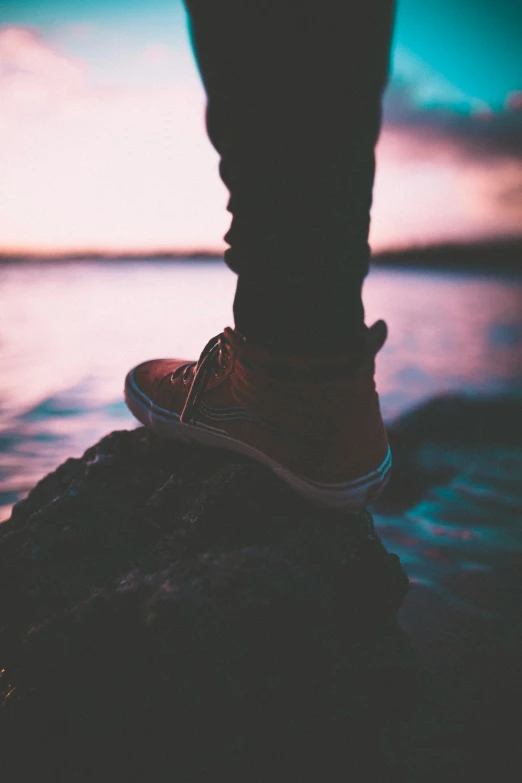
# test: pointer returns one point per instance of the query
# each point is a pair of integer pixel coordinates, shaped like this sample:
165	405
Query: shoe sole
346	496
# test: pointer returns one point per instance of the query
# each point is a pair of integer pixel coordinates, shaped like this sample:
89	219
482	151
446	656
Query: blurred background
111	222
103	145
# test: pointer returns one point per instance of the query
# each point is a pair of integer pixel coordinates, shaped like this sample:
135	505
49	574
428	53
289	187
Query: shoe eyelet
186	376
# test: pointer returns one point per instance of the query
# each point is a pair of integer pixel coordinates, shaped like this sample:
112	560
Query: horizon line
483	243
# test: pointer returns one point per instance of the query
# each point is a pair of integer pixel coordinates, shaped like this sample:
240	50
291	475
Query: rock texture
172	614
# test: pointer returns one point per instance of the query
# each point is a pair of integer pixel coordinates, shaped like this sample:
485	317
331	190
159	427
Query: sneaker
315	422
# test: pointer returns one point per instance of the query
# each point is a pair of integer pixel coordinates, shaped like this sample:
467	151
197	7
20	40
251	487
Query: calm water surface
69	333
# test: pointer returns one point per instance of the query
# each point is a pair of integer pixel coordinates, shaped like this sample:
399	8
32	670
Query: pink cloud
156	54
514	100
76	31
426	191
32	75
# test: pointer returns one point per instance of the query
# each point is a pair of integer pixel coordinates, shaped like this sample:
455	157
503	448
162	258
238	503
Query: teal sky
476	45
48	13
162	20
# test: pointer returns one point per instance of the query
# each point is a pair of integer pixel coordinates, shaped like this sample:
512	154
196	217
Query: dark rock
174	614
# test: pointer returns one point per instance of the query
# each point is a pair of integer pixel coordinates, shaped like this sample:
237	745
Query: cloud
88	166
33	77
474	130
422	196
511	197
80	31
426	86
465	158
156	54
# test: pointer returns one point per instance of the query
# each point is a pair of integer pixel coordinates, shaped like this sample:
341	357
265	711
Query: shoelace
212	357
215	351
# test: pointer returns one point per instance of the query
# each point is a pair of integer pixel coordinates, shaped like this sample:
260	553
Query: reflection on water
461	546
69	333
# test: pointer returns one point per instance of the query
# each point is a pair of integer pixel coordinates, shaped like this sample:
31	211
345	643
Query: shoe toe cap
148	376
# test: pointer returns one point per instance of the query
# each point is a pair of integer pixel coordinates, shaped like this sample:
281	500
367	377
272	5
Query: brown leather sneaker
315	422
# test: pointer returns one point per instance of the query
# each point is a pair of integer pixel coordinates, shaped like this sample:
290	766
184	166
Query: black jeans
294	109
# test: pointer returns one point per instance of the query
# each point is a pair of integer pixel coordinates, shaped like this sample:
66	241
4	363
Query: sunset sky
103	144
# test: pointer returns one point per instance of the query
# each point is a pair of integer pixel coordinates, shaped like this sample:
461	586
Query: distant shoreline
505	254
493	255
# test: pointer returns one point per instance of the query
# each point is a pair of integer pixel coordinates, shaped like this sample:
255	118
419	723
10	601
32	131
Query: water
70	332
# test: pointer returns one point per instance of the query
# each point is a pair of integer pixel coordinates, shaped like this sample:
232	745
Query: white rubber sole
346	496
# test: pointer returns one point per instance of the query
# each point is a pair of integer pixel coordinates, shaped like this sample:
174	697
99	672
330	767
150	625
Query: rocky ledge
171	613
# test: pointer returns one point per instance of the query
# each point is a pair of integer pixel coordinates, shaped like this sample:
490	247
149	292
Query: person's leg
294	93
294	110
